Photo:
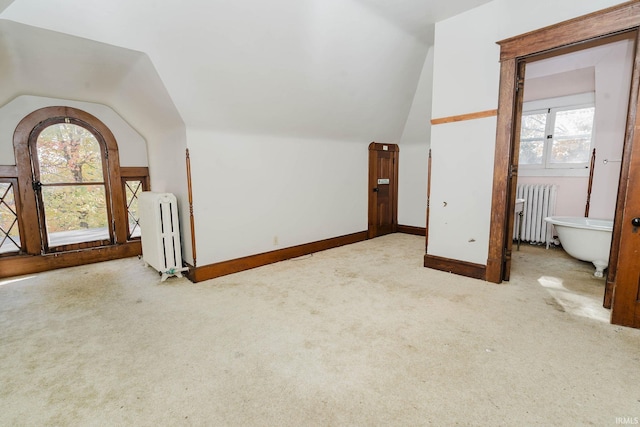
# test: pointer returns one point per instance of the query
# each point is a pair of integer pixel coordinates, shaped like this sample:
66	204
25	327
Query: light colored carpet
358	335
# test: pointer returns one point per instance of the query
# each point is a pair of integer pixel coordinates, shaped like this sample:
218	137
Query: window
133	186
9	230
557	137
71	187
74	195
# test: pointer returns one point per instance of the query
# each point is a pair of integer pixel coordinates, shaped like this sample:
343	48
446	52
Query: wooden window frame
133	174
7	174
104	160
31	260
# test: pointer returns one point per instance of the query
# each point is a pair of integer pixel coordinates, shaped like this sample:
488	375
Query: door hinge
513	171
519	84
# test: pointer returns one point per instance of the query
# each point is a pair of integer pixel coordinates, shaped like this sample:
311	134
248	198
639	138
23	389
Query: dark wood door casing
383	198
556	40
622	292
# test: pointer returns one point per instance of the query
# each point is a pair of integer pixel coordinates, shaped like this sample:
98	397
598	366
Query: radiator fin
540	202
160	232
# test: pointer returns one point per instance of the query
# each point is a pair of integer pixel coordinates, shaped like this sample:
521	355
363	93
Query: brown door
383	189
625	309
626	295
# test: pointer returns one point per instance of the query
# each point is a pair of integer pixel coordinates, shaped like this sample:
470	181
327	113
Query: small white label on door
385	148
383	181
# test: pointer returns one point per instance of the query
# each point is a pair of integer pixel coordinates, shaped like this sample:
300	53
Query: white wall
459	206
466	78
413	167
250	189
414	152
555	83
613	79
131	145
280	100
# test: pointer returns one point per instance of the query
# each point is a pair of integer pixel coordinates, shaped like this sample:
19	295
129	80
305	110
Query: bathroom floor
570	282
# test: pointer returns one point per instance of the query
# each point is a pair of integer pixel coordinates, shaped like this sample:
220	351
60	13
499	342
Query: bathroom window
558	136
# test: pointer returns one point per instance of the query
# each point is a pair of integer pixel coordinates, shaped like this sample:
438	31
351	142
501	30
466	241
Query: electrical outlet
275	240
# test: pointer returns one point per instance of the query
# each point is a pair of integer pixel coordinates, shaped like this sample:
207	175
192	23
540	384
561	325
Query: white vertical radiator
540	202
160	233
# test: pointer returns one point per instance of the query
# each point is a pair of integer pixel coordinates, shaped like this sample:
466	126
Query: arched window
69	195
71	185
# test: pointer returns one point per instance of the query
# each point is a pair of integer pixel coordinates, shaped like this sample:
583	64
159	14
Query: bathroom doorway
572	129
552	41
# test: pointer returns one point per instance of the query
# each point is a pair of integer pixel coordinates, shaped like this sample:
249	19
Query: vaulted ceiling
322	68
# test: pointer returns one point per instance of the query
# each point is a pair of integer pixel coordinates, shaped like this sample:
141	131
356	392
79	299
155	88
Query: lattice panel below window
9	232
132	189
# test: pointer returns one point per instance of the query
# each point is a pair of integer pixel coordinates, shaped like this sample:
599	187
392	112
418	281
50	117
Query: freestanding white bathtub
585	239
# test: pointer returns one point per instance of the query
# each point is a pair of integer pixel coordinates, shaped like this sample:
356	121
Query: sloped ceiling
418	17
46	63
330	68
4	4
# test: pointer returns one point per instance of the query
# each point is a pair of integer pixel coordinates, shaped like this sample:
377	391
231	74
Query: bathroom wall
607	71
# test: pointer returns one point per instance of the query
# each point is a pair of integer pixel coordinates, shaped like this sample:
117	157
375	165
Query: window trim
4	178
30	260
27	196
35	161
133	174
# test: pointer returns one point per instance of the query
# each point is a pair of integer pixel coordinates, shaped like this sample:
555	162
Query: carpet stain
555	304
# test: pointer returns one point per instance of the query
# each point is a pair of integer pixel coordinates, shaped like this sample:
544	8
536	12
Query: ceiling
315	68
418	17
4	4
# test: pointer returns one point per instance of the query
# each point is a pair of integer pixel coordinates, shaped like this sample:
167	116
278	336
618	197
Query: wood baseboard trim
463	268
410	229
28	264
211	271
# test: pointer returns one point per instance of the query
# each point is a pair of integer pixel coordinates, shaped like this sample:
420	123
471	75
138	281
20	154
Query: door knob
635	222
375	190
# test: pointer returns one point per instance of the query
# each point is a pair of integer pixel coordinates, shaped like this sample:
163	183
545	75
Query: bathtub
586	239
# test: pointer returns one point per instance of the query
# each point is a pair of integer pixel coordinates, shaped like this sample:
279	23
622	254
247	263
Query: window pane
572	136
9	233
531	152
570	151
69	153
533	126
532	137
132	189
75	214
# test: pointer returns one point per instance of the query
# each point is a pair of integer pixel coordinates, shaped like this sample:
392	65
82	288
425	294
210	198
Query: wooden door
383	189
625	279
626	293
